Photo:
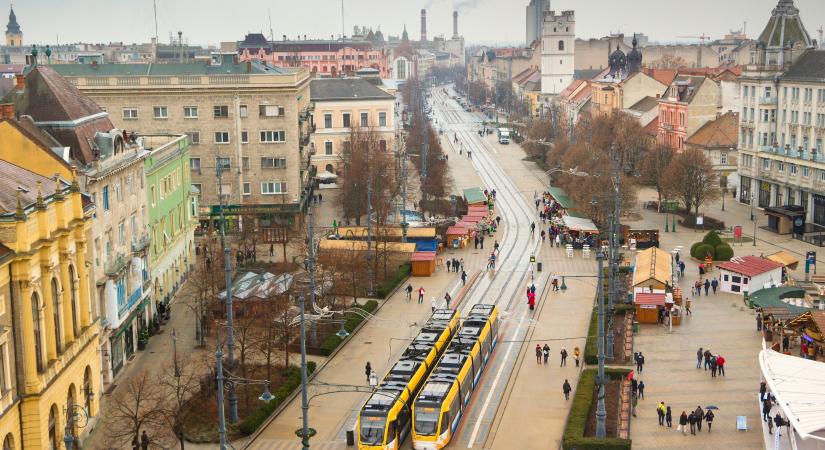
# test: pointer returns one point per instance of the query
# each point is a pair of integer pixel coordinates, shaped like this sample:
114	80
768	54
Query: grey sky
211	21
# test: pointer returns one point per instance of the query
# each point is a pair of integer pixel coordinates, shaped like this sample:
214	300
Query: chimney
249	67
284	38
455	24
423	25
20	80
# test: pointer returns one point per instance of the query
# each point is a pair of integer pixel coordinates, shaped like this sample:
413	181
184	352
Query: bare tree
138	406
654	170
179	383
200	295
691	176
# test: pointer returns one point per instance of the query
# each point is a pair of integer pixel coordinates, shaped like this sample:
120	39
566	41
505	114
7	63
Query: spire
13	26
404	35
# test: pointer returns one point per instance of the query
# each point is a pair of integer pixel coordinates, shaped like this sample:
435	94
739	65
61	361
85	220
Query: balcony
140	242
115	265
767	101
133	299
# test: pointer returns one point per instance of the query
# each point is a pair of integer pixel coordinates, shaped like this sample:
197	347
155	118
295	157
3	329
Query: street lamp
76	416
228	383
753	219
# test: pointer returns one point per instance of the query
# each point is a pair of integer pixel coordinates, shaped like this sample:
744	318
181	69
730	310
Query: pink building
319	56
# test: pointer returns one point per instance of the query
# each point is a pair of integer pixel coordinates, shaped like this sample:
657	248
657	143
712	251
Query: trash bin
635	327
538	266
350	438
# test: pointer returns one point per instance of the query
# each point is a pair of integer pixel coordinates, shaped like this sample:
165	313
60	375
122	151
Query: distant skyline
209	22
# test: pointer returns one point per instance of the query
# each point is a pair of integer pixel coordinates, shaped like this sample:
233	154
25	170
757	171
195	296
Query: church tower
14	36
557	51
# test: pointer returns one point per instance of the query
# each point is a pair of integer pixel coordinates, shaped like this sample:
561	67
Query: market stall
653	268
640	238
647	306
423	264
581	231
475	196
457	236
810	326
786	258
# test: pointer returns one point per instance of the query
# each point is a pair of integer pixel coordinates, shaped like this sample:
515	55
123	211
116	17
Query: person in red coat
720	364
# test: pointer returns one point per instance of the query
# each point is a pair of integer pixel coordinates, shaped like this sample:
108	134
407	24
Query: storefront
764	194
819	209
745	190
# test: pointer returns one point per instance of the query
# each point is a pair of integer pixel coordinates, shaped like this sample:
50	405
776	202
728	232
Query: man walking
660	411
566	388
640	363
463	278
714	285
707	287
700	416
433	303
699	355
421	295
546	353
409	292
707	355
368	371
692	422
642	389
563	357
538	354
720	363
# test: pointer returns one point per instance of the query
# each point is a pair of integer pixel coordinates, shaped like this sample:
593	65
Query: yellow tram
440	404
386	418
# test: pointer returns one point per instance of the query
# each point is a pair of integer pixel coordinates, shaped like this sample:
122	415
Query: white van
503	135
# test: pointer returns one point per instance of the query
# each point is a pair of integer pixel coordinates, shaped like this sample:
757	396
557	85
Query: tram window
464	388
455	407
372	429
494	327
391	432
426	420
445	421
485	346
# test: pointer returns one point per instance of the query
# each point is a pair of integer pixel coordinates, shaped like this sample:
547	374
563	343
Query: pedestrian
660	411
135	443
271	249
320	198
683	421
709	419
785	343
461	264
144	441
720	365
563	357
566	388
699	358
447	299
533	228
713	366
634	387
669	418
682	268
481	242
538	354
758	321
576	354
495	246
368	370
714	285
642	389
700	415
475	242
687	307
558	240
409	292
707	286
463	278
707	355
546	353
543	236
766	409
421	295
449	265
692	422
640	363
433	303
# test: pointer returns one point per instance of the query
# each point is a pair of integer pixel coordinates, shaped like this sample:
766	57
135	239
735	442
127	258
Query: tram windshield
372	429
426	420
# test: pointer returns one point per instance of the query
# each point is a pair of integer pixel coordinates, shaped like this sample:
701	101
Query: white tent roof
799	387
580	224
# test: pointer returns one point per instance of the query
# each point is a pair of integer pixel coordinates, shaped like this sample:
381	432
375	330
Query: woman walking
683	421
669	418
546	352
709	419
538	354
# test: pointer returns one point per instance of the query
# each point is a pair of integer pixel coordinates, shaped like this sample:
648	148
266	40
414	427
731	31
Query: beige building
341	104
248	120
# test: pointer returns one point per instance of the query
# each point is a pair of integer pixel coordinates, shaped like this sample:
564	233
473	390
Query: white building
749	273
557	51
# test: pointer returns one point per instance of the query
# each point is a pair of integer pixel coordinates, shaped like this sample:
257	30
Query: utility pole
370	274
404	223
227	268
305	431
613	253
601	412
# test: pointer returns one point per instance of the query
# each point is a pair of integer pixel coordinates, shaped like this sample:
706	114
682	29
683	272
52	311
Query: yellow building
48	347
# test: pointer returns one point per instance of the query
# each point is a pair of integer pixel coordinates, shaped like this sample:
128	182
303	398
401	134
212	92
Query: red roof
664	76
649	298
423	256
479	208
471	218
652	128
456	230
467	225
750	265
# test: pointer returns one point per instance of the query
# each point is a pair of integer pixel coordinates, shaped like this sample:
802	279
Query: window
723	158
190	112
194	137
328	148
561	45
327	120
195	164
4	371
223	163
58	336
270	111
244	137
221	111
245	162
106	198
154	197
161	112
780	166
365	119
272	136
806	171
346	117
273	163
747	160
221	137
243	111
792	169
821	174
382	145
247	189
130	113
276	187
766	163
37	318
382	119
197	186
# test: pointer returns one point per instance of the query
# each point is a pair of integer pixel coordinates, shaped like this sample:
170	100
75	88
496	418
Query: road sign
532	258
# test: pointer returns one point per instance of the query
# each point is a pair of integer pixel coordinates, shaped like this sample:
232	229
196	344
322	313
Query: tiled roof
345	89
646	104
649	298
809	67
50	97
750	265
570	89
664	76
652	128
166	69
721	132
13	177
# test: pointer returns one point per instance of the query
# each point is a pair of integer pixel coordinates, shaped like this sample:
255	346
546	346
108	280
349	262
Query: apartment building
688	104
247	125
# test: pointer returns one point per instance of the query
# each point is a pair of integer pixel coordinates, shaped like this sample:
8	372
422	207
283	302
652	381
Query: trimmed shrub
292	375
712	238
573	437
591	345
387	286
724	252
693	248
702	250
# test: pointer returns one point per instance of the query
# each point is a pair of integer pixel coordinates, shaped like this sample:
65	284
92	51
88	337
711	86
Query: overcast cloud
208	22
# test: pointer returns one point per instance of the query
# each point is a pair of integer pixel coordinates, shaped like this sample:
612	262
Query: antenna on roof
270	25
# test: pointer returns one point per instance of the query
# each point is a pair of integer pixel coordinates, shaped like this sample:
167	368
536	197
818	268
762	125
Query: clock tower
557	51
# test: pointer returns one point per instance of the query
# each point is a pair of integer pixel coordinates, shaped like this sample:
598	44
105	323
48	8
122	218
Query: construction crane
702	38
821	34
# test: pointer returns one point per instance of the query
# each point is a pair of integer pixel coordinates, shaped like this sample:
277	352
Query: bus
385	419
440	404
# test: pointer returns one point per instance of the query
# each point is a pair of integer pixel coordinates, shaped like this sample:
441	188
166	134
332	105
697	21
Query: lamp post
76	416
229	382
753	219
601	412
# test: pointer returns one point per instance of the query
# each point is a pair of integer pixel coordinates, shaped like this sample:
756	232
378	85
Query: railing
114	266
140	242
134	297
767	101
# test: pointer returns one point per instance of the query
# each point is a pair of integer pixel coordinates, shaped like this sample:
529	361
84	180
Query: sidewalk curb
251	438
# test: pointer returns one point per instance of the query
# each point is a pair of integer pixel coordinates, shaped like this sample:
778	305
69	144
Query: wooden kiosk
423	264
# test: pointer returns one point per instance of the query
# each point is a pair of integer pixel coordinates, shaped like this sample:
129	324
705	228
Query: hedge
292	375
712	238
591	345
724	252
350	323
384	289
573	437
702	250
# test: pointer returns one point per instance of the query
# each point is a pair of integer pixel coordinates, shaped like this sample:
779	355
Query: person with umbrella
709	416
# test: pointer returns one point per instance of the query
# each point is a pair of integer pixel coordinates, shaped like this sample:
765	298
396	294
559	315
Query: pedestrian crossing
295	444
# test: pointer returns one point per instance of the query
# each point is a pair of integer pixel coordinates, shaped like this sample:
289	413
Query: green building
171	204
